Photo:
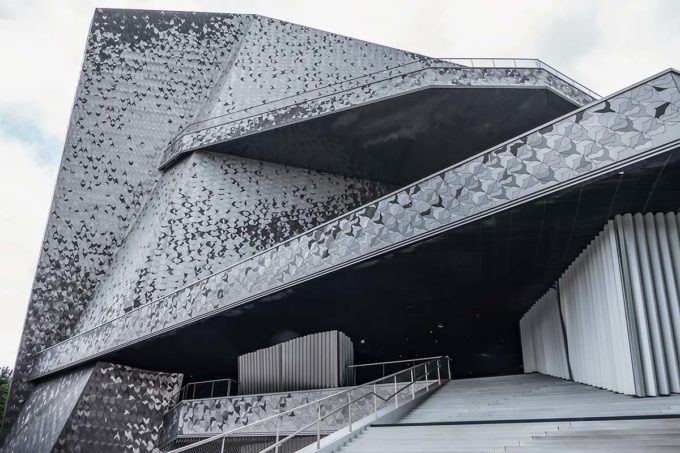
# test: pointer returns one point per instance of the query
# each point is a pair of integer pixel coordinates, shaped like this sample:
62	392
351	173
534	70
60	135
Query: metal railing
203	389
519	63
324	408
385	366
523	63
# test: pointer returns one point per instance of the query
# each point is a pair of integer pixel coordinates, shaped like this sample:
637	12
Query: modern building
249	213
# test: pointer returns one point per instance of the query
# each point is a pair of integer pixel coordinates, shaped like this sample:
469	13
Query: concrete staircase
632	436
527	413
532	397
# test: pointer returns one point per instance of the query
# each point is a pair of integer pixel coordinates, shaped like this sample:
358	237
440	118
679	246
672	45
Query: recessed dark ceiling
460	293
403	139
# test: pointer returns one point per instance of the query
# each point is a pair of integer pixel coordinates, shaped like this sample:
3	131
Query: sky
605	44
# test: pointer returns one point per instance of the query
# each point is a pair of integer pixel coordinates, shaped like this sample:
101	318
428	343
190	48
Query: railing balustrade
203	389
428	372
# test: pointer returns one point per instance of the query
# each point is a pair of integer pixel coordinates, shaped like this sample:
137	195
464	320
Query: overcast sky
605	44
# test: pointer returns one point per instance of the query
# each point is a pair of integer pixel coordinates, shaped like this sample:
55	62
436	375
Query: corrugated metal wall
620	309
543	348
314	361
650	246
591	295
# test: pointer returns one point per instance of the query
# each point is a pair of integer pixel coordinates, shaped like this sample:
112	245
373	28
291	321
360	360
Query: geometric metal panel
210	211
103	408
210	416
626	127
395	81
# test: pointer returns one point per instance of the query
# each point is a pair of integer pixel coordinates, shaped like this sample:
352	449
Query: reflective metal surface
631	125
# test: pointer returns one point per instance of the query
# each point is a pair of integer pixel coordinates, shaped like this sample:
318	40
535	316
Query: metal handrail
519	63
464	62
351	79
182	392
319	401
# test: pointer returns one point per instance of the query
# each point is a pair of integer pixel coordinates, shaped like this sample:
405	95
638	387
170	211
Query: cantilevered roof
622	129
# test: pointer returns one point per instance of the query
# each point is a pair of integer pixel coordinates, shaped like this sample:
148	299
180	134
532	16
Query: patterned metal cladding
103	408
313	361
210	211
620	305
46	412
631	125
206	417
391	82
120	410
146	75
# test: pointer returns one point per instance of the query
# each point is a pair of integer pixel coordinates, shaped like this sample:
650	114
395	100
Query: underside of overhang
404	138
460	293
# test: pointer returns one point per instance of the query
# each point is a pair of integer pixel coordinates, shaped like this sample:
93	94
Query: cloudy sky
605	45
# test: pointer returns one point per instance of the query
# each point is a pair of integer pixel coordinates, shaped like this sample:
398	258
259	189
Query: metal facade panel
103	408
543	347
314	361
511	173
651	245
209	416
591	293
621	304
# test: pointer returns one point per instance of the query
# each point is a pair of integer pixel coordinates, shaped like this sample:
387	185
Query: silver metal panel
103	408
543	348
591	296
314	361
642	121
652	246
620	300
204	417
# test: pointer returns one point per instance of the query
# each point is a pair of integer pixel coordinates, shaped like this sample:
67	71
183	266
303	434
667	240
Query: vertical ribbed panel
620	301
650	245
314	361
591	294
543	348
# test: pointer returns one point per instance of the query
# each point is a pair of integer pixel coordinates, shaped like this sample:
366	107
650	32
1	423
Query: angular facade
230	182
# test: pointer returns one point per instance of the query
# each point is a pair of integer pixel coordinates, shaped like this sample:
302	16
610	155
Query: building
232	182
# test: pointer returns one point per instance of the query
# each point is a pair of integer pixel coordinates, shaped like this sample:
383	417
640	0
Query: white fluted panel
543	348
314	361
620	302
650	247
591	293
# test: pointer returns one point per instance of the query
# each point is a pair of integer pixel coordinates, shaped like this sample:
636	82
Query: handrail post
396	397
427	378
375	400
349	409
229	387
439	377
212	389
448	365
224	438
413	385
278	422
193	396
318	427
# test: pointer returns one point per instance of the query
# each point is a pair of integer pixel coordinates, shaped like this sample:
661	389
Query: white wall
543	338
620	306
